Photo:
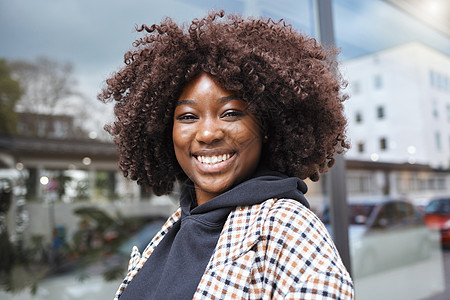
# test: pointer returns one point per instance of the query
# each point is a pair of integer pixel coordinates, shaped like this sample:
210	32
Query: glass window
439	80
435	108
387	216
380	112
42	128
378	82
383	143
432	78
358	117
437	138
405	210
439	205
60	129
83	218
360	183
441	183
360	147
356	88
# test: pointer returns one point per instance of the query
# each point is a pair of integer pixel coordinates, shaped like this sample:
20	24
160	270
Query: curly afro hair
289	81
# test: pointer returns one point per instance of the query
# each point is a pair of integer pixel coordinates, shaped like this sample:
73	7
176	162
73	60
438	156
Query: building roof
37	147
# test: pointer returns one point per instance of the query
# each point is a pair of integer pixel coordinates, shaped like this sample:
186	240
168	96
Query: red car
437	216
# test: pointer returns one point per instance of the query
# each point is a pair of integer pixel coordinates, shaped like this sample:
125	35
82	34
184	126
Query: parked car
107	246
437	216
112	265
384	234
94	274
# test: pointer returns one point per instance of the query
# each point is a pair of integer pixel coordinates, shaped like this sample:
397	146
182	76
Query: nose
210	131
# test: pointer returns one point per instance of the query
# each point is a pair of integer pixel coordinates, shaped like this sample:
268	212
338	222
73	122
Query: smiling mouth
213	159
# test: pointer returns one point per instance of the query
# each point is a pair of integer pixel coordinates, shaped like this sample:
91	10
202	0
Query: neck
203	196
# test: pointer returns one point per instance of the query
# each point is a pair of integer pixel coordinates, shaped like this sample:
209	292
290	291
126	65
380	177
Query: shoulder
294	215
291	223
274	215
291	216
297	241
286	223
302	237
282	208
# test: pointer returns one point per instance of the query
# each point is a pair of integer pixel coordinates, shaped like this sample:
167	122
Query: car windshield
358	214
440	206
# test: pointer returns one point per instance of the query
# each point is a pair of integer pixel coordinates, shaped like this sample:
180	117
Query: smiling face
217	141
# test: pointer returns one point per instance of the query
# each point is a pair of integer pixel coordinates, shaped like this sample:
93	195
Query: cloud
363	27
94	35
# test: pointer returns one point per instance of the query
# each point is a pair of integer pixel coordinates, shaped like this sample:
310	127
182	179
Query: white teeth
214	159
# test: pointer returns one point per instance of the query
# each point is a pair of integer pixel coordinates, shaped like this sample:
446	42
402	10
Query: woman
237	110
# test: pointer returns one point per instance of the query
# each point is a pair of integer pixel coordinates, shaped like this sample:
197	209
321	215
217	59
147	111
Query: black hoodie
175	268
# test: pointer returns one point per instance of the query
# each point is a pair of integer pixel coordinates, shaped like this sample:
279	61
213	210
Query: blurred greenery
10	94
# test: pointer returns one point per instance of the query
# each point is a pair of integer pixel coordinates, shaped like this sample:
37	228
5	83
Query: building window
383	143
431	184
356	88
380	112
360	147
448	112
403	184
431	77
441	183
437	138
378	82
360	183
42	128
60	129
358	116
435	109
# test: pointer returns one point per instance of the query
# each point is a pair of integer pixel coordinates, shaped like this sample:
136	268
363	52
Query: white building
399	109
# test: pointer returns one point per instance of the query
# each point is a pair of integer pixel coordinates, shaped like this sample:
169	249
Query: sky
94	35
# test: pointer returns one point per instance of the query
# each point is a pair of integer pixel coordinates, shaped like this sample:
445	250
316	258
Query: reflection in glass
80	219
388	238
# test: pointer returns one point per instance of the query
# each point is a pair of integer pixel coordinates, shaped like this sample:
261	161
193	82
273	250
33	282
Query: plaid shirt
278	249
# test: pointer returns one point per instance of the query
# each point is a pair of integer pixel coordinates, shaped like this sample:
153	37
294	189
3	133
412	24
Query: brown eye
233	113
187	117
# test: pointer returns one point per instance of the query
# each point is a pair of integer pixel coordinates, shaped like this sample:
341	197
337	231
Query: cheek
249	135
251	144
180	143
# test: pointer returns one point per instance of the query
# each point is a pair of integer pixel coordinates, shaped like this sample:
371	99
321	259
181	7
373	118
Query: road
446	294
416	281
422	280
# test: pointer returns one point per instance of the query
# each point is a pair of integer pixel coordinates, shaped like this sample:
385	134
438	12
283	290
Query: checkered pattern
275	250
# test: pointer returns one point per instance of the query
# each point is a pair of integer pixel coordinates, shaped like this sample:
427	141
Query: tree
48	85
10	93
50	91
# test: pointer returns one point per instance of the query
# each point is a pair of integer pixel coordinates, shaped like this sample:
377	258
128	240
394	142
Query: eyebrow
221	99
184	102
